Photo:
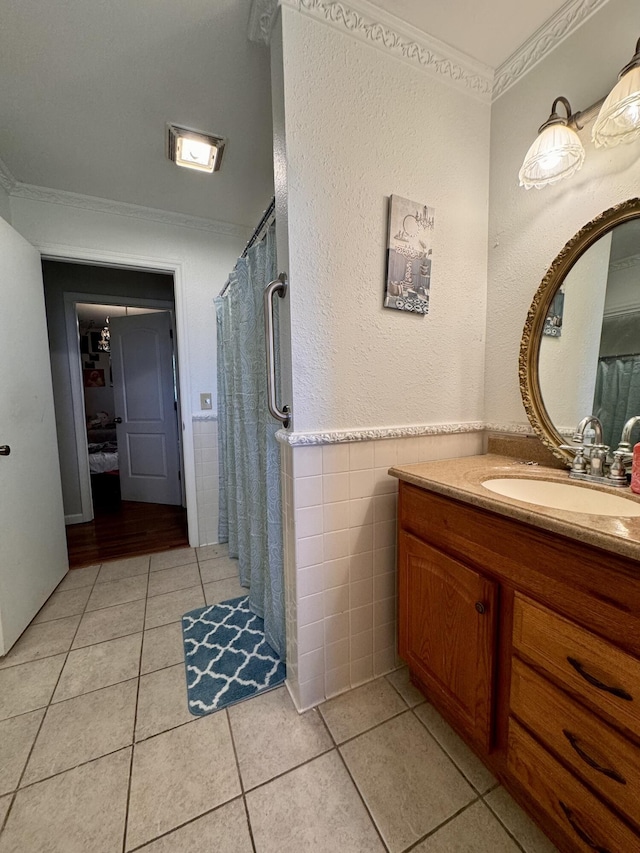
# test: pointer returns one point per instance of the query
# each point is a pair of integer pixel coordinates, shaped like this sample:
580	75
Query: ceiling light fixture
193	149
557	152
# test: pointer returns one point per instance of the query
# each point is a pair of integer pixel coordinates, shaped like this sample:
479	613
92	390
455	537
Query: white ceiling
93	85
88	87
488	30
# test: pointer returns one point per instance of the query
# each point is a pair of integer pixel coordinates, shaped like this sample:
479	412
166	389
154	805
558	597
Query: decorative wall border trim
121	208
262	17
368	23
204	416
545	39
305	439
516	429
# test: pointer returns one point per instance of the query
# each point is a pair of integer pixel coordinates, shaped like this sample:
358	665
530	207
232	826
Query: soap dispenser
635	470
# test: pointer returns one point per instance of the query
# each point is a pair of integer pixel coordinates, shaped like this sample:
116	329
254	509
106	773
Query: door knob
117	420
5	450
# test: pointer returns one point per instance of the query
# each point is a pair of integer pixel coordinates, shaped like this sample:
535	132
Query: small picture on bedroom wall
409	251
93	378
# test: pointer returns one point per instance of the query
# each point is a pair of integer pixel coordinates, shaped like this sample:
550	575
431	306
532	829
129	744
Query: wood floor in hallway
126	530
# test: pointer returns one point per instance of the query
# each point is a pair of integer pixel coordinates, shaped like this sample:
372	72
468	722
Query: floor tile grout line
182	825
444	823
362	800
371	728
125	830
240	779
46	707
509	832
446	752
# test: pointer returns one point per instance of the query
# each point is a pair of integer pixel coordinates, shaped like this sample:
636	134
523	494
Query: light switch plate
205	400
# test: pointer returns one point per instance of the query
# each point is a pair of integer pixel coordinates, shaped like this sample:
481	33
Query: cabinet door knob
5	450
481	607
117	420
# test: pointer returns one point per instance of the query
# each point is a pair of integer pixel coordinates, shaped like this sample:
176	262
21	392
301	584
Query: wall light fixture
557	152
193	149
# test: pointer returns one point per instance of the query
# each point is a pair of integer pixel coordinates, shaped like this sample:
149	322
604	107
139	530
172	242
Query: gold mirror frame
532	333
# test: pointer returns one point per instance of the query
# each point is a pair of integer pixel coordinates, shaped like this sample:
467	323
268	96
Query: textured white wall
206	261
361	125
528	228
568	393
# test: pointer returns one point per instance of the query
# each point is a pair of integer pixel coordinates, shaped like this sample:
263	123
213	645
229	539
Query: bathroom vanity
521	624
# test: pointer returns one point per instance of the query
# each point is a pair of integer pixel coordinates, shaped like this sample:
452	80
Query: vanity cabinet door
448	616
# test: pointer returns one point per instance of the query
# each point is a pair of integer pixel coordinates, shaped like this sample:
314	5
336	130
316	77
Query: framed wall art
409	251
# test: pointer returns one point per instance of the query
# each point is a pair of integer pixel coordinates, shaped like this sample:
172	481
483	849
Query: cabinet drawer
578	813
587	666
600	755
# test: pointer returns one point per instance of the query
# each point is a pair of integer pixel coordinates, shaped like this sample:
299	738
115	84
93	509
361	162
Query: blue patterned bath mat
227	656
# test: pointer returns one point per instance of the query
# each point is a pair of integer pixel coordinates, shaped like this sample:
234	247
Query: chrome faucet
584	423
589	462
627	429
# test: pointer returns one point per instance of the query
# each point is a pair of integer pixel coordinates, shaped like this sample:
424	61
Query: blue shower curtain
250	503
617	394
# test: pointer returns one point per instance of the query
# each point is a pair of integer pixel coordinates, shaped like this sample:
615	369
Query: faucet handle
579	464
618	471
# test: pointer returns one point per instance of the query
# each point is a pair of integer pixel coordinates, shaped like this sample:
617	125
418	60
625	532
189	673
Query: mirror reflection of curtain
250	504
617	394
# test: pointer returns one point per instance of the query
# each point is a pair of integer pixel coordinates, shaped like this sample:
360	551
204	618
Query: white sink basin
567	496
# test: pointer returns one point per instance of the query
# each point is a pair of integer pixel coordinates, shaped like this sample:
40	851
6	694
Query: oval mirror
580	350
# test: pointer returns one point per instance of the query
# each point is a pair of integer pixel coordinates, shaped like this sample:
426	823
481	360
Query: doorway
117	403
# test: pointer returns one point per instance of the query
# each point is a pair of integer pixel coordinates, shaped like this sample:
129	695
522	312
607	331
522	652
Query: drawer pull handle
612	774
615	691
579	831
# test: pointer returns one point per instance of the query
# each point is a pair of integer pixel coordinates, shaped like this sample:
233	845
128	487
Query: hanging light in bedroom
104	344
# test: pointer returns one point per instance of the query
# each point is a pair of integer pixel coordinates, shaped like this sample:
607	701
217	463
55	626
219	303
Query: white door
146	417
33	547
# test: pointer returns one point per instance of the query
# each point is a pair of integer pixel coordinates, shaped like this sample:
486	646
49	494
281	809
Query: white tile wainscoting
205	443
339	508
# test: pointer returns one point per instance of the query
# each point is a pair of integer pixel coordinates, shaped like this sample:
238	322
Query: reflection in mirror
589	361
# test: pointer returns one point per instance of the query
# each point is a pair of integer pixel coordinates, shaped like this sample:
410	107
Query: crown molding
135	211
545	39
7	181
262	17
367	23
625	263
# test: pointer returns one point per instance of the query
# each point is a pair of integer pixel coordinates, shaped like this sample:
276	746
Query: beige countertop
461	479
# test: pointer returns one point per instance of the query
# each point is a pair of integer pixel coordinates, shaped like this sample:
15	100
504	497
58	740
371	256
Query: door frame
71	300
96	257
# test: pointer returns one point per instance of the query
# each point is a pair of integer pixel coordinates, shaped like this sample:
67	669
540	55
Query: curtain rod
264	220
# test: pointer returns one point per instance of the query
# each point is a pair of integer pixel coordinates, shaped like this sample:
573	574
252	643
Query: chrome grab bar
279	286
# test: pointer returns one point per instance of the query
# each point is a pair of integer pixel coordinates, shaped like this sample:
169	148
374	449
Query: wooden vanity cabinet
447	632
529	645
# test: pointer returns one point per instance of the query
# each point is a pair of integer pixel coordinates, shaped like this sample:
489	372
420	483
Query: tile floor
98	753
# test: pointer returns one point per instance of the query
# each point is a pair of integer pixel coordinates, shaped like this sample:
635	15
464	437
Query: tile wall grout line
135	720
46	707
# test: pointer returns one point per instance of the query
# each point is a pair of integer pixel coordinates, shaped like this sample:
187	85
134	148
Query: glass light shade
556	153
619	117
195	154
